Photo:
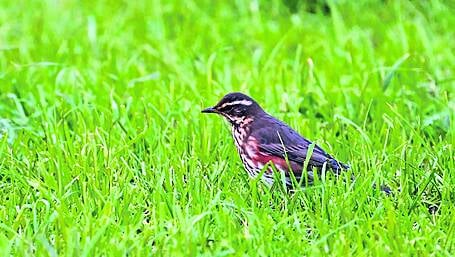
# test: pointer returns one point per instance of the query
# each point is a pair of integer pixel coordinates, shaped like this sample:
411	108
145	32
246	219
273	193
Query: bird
265	143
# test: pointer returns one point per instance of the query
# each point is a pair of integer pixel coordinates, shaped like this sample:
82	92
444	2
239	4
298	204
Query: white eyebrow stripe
241	102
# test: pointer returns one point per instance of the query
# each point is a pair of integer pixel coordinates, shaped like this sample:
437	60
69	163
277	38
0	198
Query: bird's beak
209	110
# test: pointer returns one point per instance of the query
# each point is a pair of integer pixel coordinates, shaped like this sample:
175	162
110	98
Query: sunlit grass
104	152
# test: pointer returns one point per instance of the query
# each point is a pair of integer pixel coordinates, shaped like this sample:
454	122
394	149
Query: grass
104	152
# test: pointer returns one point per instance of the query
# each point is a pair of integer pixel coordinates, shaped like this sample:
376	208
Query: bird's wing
282	141
296	153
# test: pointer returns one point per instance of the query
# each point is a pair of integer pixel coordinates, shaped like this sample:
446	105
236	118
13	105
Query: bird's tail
337	166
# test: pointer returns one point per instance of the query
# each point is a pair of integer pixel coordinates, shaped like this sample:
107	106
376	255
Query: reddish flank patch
279	162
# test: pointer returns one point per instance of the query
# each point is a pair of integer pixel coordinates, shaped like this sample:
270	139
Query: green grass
104	152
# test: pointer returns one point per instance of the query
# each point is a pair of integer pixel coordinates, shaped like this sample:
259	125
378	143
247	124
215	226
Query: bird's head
235	107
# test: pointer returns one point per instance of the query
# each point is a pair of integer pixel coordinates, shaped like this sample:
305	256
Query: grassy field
104	152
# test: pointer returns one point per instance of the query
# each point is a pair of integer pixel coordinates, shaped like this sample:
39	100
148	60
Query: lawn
104	151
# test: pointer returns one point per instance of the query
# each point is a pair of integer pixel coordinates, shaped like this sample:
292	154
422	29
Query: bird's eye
237	111
228	108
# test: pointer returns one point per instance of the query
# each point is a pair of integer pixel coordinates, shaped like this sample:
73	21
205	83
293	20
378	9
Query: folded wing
286	143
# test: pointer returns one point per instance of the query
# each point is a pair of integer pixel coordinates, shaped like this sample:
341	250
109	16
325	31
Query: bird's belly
247	154
247	150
